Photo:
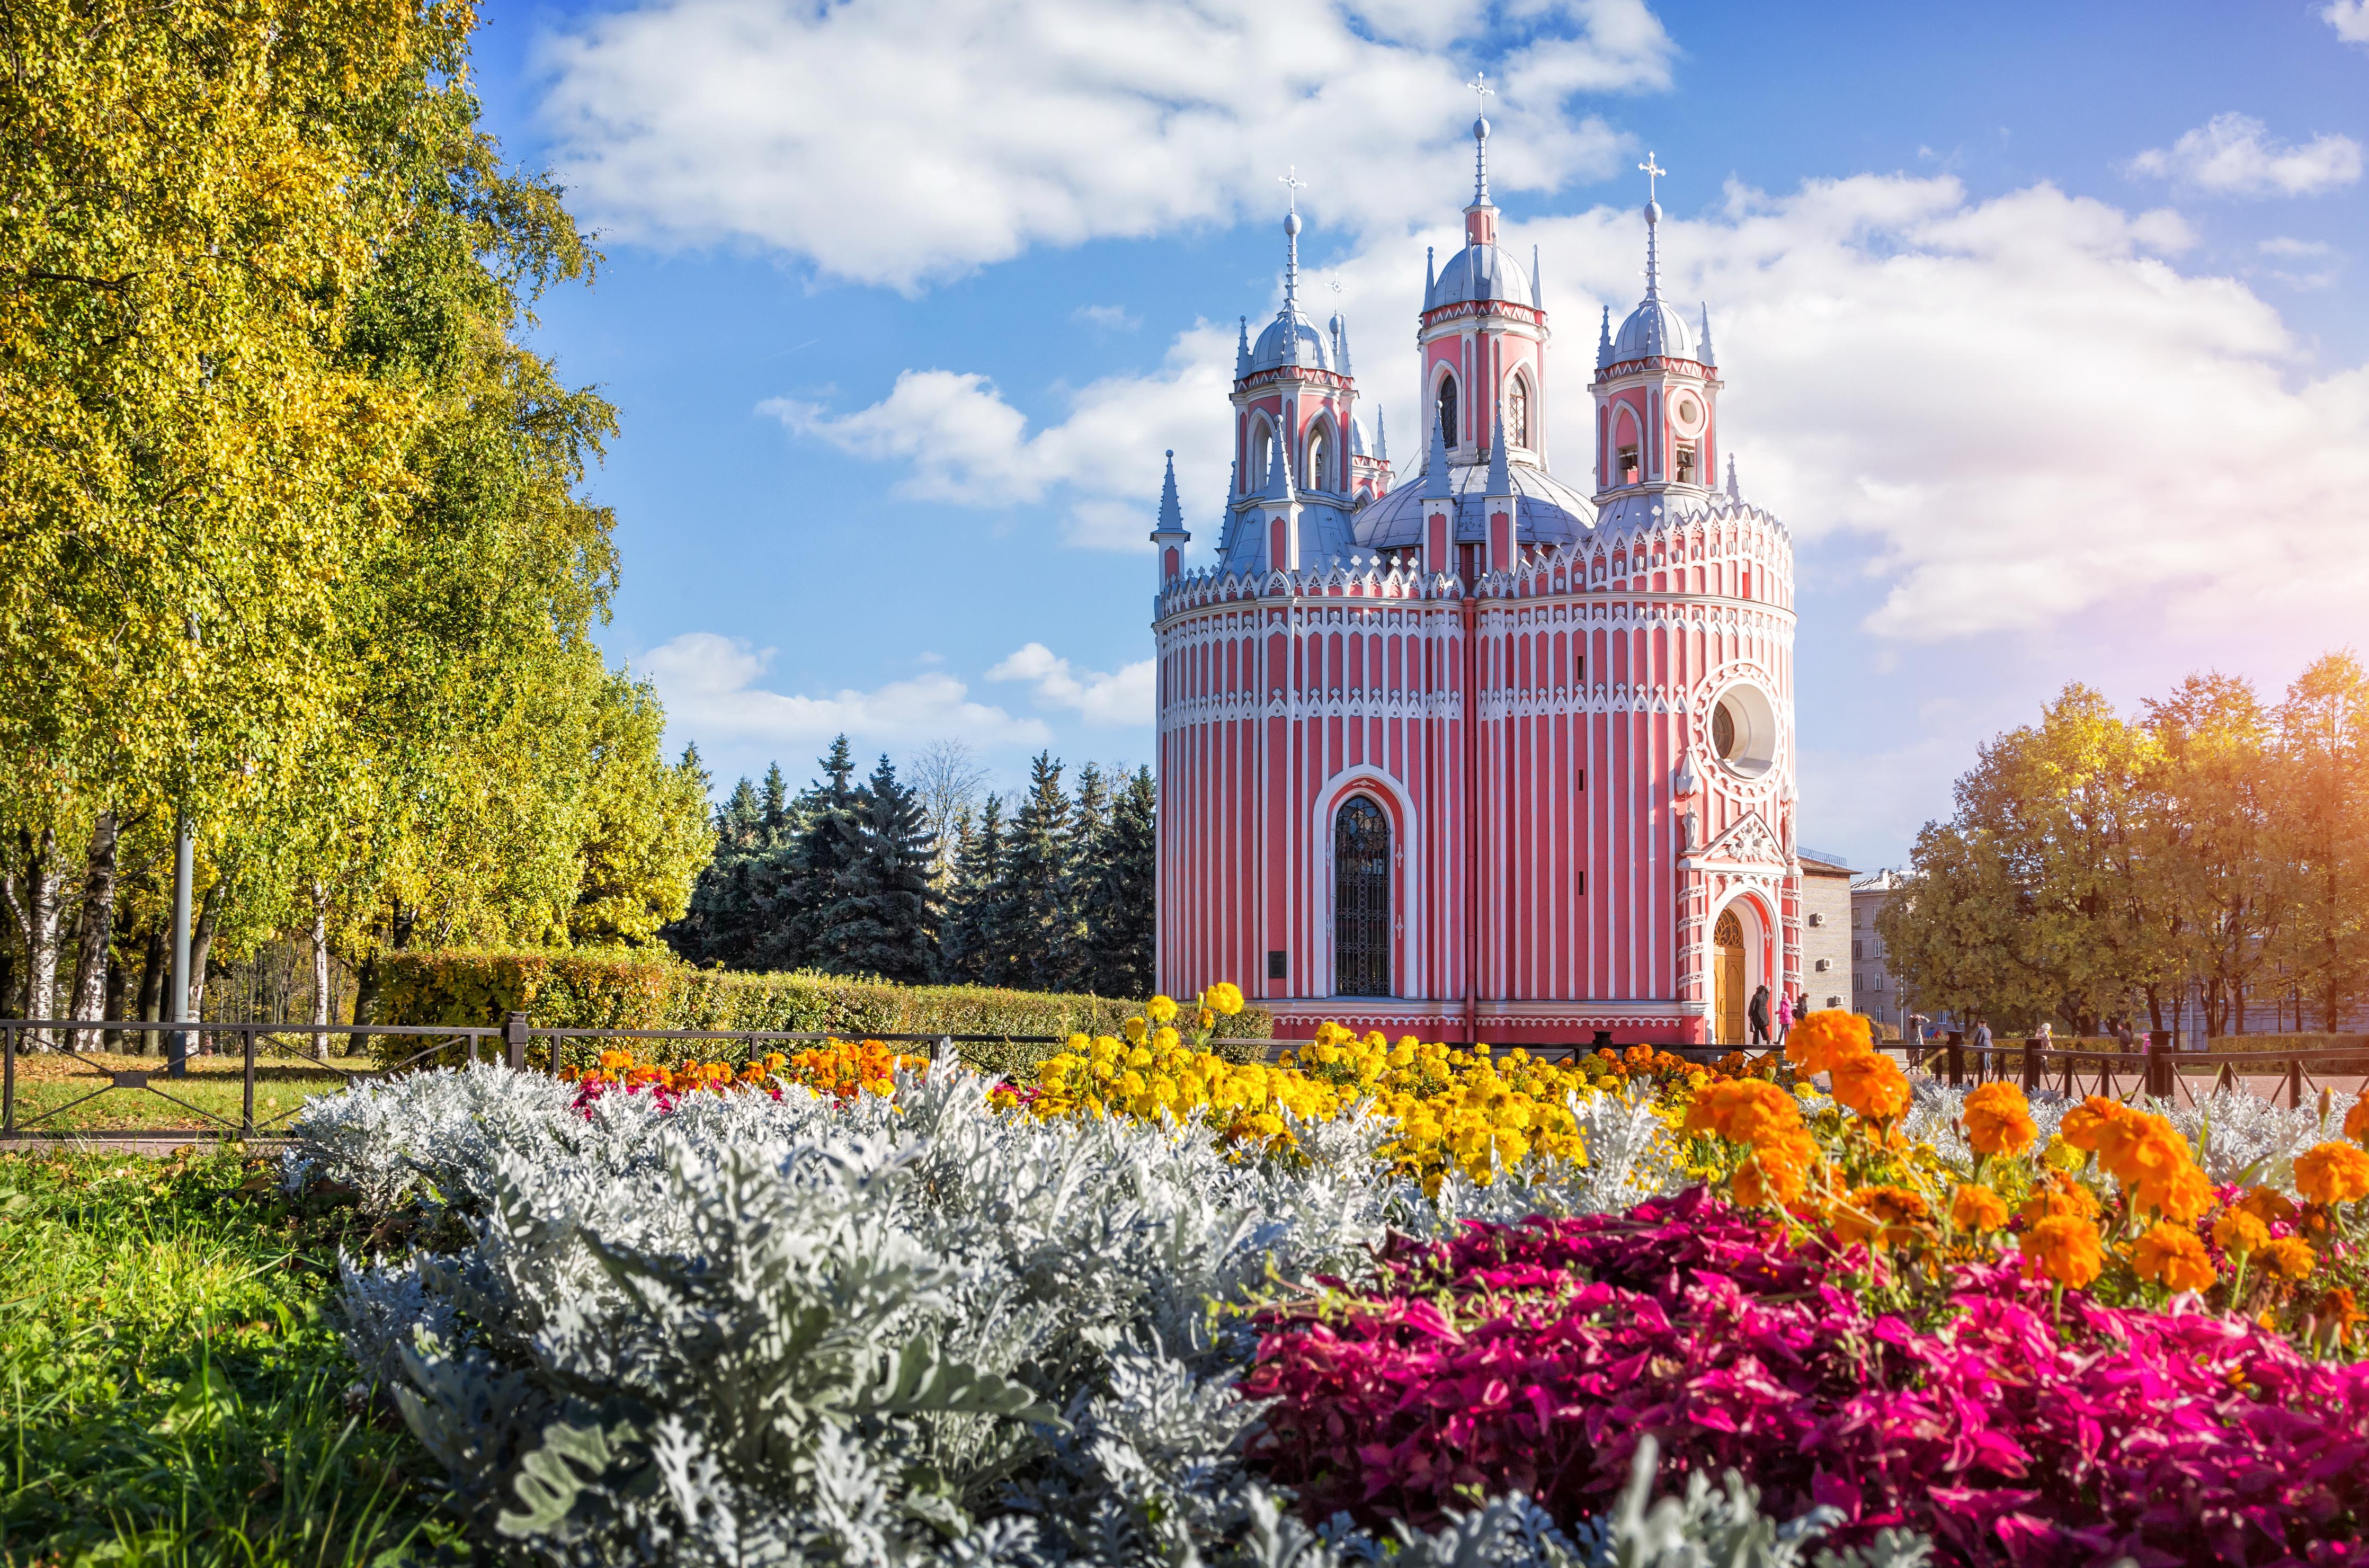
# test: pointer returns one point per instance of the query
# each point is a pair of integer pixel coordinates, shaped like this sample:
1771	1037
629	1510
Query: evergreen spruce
881	918
807	901
1118	905
965	943
1087	862
1030	926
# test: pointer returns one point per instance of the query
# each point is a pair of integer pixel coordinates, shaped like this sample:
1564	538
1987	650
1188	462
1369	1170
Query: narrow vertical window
1361	900
1447	410
1517	414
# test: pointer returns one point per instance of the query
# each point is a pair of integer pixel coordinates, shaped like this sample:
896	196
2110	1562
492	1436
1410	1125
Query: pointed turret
1341	344
1381	436
1501	478
1169	538
1436	486
1603	341
1734	492
1537	292
1430	270
1278	486
1242	351
1708	355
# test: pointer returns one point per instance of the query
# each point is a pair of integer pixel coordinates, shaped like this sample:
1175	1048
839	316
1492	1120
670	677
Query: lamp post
176	1041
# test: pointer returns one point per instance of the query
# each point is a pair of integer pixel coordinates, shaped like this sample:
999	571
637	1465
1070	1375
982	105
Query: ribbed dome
1267	352
1478	272
1653	328
1546	511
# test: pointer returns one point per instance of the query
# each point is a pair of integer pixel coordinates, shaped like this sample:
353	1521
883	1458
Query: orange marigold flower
1999	1119
2183	1194
2268	1204
1738	1107
1826	1036
2085	1123
2067	1250
2138	1144
1872	1084
2174	1256
1777	1170
2059	1196
2240	1232
1881	1216
2356	1120
2332	1172
1975	1207
2290	1257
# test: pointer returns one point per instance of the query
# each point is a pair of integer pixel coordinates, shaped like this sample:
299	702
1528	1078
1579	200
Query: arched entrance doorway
1729	991
1361	900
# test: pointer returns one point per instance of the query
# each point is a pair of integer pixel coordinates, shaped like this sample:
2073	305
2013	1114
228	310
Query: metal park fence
264	1050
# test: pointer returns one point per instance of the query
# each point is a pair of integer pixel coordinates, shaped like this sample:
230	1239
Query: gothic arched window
1517	414
1319	456
1361	900
1447	412
1261	457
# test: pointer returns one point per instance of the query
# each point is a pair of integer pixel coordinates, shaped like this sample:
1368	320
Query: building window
1625	465
1446	412
1319	463
1857	950
1361	900
1686	463
1517	414
1262	458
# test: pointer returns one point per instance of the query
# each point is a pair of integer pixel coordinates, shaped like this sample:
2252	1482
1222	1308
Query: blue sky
2041	326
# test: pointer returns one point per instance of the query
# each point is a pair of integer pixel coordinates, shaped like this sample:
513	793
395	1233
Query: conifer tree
1118	905
881	918
810	885
966	948
1087	862
1029	928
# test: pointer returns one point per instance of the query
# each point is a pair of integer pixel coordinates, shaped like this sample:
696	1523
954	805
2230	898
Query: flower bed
1153	1305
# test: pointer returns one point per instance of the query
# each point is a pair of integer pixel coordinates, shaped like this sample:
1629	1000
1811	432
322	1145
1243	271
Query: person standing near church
1758	1015
1784	1015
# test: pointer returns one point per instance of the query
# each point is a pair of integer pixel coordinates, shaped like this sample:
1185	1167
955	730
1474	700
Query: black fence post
514	1041
2294	1083
246	1075
2031	1065
2159	1064
1953	1059
8	1079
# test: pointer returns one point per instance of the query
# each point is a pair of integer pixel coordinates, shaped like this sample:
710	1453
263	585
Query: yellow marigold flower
1224	999
1870	1083
2332	1174
1974	1208
2174	1256
1161	1010
1998	1119
1829	1036
1166	1039
1136	1029
2290	1257
2065	1249
2238	1232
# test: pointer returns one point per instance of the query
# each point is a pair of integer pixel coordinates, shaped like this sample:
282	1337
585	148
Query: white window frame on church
1521	410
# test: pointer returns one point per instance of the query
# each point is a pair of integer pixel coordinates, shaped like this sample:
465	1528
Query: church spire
1172	512
1500	478
1242	351
1381	436
1603	341
1733	494
1652	224
1292	264
1708	356
1436	486
1480	88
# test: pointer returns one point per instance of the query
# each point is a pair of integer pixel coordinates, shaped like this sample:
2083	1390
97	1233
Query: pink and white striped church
1474	756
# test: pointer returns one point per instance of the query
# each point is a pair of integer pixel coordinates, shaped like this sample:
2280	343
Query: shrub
594	989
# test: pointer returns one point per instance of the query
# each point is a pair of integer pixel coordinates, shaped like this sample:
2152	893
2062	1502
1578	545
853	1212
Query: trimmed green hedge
595	989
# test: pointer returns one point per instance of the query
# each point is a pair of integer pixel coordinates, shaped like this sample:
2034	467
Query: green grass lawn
174	1391
51	1079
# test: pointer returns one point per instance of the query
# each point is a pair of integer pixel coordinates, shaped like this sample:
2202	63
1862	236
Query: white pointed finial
1653	171
1479	86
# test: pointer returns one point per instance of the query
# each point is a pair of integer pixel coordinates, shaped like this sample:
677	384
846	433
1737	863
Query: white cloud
1110	318
1122	697
963	442
891	142
2349	18
2284	245
710	687
2234	154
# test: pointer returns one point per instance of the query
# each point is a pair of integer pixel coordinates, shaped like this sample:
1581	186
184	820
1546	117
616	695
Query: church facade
1474	755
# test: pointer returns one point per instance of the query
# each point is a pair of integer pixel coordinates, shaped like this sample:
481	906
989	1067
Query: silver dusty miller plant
907	1331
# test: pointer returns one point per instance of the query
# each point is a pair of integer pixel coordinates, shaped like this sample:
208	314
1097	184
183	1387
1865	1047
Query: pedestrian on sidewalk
1784	1015
1758	1015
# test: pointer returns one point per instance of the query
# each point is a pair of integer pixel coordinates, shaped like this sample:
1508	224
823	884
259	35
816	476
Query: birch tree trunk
201	940
321	970
99	886
32	890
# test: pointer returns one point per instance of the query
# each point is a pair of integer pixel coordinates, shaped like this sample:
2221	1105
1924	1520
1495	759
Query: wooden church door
1727	976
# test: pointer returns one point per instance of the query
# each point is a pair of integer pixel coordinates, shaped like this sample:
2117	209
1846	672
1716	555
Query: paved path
155	1145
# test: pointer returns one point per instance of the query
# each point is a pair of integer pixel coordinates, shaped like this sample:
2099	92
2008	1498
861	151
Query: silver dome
1653	328
1267	352
1546	511
1478	272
